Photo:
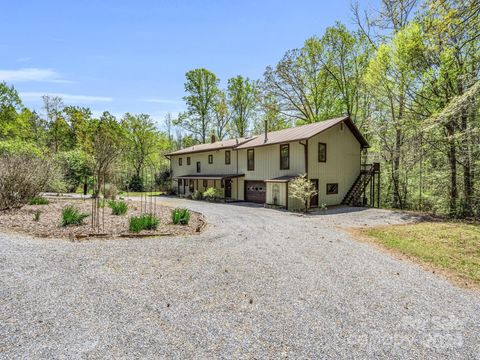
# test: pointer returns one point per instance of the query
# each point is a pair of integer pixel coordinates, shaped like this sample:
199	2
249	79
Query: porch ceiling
209	177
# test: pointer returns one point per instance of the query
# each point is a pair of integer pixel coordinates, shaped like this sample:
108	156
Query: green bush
211	194
180	216
118	207
143	222
72	216
38	200
197	195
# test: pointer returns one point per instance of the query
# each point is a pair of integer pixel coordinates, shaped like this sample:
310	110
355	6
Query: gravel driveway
258	283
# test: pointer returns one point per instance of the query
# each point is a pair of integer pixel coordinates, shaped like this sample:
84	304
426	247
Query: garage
255	191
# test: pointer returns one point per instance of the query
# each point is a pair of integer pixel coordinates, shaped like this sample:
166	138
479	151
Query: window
227	157
188	160
250	159
198	166
284	157
205	183
322	152
332	189
179	182
179	161
210	159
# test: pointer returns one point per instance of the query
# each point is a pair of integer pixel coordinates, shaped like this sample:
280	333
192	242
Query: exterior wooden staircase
356	194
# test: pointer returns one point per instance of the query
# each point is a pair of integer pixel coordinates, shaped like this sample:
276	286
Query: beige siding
217	168
267	162
342	165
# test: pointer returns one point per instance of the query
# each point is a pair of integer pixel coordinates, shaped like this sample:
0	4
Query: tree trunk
467	208
452	159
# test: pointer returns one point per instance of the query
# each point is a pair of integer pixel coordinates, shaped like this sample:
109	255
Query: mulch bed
22	220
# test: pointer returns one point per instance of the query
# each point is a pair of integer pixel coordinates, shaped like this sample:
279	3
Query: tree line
408	76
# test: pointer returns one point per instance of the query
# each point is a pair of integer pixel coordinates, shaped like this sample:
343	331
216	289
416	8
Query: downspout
305	149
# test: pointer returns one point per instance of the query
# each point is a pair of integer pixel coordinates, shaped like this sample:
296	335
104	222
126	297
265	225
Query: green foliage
39	200
76	165
243	99
197	195
180	216
143	222
136	184
211	194
201	87
20	147
118	207
72	216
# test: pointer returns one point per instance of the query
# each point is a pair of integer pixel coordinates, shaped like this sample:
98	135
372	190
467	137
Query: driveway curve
258	283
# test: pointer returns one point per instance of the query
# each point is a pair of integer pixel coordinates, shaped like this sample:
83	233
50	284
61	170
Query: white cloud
66	97
32	74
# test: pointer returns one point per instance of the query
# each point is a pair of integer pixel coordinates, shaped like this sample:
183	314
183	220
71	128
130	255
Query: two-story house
259	168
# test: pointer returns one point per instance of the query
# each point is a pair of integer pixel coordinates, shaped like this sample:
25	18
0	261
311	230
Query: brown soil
22	220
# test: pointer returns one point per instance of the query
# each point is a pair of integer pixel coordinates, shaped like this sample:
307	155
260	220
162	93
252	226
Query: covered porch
230	186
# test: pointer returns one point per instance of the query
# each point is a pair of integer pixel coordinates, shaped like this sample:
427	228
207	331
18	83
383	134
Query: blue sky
132	55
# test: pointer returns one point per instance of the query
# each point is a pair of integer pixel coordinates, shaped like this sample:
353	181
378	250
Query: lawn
448	246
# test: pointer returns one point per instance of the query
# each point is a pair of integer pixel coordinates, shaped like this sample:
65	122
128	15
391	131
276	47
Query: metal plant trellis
122	180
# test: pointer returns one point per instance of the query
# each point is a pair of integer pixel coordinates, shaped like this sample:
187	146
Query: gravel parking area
258	283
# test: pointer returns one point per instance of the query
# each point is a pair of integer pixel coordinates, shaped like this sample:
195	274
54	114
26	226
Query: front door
314	200
228	188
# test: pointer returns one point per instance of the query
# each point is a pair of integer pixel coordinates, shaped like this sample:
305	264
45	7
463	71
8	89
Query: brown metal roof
275	137
302	133
217	145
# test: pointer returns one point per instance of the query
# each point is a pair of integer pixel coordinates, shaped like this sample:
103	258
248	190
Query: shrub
136	183
197	195
323	208
36	215
38	200
72	216
118	207
302	189
76	166
211	194
22	177
110	191
143	222
180	216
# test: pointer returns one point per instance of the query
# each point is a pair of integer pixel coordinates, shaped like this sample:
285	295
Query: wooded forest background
407	74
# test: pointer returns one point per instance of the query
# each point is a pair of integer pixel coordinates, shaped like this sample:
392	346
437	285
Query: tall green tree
243	100
201	87
142	143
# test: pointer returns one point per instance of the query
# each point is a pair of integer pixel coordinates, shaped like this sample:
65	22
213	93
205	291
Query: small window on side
250	159
227	157
179	161
188	160
198	166
332	188
284	157
210	159
322	152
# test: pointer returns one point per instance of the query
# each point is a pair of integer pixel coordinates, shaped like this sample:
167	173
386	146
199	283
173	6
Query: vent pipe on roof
266	131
